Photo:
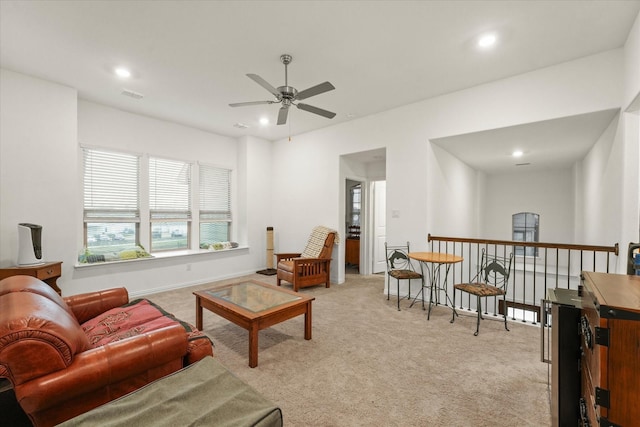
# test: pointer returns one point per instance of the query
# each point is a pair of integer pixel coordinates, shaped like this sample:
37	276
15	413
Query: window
526	229
113	207
356	194
169	204
111	203
215	205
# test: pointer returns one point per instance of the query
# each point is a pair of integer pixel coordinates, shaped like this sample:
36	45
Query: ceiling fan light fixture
288	95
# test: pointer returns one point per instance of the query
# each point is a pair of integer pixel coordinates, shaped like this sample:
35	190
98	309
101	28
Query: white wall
548	193
432	192
608	186
631	122
42	125
632	64
600	172
301	185
258	201
38	157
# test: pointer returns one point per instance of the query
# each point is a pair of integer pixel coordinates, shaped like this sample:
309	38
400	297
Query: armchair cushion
35	286
40	337
316	245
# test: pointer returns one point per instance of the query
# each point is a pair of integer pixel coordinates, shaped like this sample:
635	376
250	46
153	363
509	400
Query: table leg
307	322
198	313
253	345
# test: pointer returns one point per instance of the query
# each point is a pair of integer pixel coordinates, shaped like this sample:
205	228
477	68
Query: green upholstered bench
202	394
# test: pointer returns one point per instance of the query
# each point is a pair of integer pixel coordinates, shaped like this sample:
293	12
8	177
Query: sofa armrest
287	256
89	305
100	367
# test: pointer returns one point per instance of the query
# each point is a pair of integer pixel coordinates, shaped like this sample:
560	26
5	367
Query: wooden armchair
313	265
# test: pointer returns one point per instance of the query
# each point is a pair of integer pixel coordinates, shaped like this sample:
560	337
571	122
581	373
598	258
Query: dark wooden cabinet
565	356
352	252
47	272
610	346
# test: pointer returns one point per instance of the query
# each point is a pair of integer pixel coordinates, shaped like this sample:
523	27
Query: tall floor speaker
269	271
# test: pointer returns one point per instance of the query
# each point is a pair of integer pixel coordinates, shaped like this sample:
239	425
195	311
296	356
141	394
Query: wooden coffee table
253	306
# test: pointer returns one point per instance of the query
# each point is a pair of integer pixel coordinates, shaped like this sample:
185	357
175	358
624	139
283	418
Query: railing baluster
568	268
519	286
557	266
535	262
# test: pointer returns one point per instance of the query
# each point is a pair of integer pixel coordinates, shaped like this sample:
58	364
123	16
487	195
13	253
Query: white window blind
110	182
215	205
169	189
215	193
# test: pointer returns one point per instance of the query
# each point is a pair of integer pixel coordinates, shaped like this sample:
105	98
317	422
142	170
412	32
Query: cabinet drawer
590	349
589	410
49	271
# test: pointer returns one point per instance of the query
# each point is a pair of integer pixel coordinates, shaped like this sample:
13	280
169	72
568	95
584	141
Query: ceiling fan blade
244	104
262	82
282	115
315	90
316	110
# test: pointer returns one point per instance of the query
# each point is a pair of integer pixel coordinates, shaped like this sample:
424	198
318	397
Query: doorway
363	205
379	197
353	221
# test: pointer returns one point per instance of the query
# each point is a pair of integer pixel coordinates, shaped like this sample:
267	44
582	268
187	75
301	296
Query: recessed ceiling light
517	153
487	40
123	72
264	121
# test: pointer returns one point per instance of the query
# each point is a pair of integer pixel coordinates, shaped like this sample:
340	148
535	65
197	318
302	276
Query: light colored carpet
371	365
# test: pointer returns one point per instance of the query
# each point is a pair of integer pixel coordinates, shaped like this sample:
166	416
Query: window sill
162	255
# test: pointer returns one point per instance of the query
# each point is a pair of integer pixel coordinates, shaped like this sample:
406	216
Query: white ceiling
549	144
190	59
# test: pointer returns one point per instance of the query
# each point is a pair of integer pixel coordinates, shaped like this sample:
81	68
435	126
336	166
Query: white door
379	226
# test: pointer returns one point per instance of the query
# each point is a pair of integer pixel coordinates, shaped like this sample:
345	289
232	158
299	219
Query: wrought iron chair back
491	280
399	267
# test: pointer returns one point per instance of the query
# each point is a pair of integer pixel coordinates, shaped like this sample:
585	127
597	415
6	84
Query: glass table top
253	297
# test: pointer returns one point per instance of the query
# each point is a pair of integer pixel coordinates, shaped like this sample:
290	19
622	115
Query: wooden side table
47	272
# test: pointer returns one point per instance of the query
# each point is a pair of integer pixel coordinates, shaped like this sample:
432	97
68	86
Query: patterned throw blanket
316	241
138	317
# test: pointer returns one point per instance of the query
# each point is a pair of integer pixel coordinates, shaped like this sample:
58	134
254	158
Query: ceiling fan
288	95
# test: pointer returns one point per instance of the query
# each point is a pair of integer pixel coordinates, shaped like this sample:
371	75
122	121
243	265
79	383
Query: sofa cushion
136	318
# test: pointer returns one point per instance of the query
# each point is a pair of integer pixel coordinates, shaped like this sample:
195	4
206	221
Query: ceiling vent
132	94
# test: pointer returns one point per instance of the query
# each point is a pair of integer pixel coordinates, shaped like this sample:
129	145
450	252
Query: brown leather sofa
59	368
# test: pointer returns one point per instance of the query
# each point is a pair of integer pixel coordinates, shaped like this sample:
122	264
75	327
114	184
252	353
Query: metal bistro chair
399	267
490	281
